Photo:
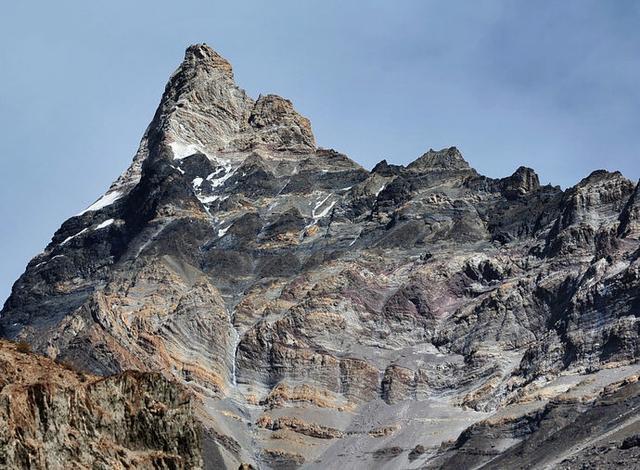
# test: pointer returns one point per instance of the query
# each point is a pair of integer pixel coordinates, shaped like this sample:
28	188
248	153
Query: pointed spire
523	181
200	56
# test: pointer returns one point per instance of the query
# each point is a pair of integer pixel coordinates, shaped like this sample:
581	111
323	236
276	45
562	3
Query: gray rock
327	316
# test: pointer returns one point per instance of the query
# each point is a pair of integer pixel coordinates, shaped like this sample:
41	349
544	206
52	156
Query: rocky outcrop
524	181
328	316
591	210
54	417
630	216
566	433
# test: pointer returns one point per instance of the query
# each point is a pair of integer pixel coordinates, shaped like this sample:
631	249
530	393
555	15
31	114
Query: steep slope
328	315
54	417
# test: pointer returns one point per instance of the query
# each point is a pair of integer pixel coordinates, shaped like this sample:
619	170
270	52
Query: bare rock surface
328	316
52	416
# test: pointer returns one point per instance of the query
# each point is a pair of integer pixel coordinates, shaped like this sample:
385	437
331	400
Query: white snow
197	182
325	211
73	236
356	238
229	172
381	188
214	173
347	188
222	231
226	167
318	205
208	199
104	201
152	238
104	224
183	150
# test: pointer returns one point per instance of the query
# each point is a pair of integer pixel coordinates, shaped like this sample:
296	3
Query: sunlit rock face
52	416
327	316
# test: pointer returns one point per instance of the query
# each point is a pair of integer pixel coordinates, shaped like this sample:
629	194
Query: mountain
326	316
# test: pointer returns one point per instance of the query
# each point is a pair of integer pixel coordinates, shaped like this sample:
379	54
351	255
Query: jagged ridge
363	313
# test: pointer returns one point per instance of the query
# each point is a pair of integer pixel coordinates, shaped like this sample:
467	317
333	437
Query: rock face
54	417
328	316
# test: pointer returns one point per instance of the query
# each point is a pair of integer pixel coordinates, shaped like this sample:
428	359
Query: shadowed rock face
328	316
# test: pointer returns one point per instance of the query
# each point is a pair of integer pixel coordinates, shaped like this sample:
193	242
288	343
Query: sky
552	85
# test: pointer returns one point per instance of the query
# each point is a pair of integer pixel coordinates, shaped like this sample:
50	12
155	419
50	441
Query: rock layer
330	316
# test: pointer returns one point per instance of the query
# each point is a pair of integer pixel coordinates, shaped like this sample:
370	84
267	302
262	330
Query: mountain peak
523	181
201	55
202	110
439	160
274	120
287	281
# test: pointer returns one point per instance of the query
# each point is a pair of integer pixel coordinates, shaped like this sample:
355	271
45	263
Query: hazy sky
549	84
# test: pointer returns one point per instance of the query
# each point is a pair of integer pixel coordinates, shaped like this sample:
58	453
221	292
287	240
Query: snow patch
104	201
73	236
217	172
318	205
183	150
104	224
325	211
208	199
197	182
381	188
46	261
228	173
223	231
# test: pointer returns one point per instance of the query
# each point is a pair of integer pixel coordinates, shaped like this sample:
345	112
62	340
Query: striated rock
299	426
326	316
630	216
563	434
523	181
591	211
277	123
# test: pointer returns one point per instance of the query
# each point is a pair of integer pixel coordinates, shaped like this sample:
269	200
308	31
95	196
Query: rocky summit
326	316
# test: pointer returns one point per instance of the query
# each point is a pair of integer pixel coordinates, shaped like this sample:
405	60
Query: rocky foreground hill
326	316
54	417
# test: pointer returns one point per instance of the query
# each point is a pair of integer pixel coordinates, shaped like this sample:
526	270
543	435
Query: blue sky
548	84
